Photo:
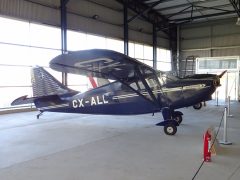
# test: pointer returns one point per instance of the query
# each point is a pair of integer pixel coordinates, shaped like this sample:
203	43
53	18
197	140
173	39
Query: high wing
109	64
100	63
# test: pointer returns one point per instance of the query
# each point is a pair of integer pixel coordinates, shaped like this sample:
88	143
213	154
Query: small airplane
132	88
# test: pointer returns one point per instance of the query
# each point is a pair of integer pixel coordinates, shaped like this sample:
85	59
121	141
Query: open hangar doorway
230	82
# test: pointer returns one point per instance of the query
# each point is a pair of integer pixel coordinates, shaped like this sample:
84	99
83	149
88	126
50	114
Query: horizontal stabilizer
22	100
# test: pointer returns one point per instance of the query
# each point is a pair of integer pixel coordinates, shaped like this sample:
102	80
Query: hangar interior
181	37
167	35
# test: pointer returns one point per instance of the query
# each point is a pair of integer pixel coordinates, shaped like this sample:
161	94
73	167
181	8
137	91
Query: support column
173	47
178	52
125	28
154	42
64	34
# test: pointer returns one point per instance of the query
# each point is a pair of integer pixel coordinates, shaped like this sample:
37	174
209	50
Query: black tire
178	118
197	106
170	129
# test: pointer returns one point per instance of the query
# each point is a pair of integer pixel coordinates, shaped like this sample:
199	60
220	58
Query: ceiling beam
180	12
193	6
201	8
203	16
182	5
236	6
144	11
150	16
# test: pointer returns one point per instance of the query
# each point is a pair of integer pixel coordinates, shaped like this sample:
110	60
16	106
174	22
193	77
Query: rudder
44	84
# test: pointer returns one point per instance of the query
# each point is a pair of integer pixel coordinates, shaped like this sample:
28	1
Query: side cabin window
152	83
145	82
137	85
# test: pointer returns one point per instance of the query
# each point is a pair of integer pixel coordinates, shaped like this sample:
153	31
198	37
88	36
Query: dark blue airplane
134	88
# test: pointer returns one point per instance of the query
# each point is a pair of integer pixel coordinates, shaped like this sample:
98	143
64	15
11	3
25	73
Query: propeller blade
221	75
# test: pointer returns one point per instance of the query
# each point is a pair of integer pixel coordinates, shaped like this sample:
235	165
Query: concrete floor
89	147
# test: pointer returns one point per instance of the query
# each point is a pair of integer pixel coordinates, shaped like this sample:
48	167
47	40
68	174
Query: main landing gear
172	119
197	106
170	129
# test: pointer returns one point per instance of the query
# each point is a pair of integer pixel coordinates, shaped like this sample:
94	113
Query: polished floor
90	147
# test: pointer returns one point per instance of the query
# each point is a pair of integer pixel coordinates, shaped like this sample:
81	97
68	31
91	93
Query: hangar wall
212	39
79	17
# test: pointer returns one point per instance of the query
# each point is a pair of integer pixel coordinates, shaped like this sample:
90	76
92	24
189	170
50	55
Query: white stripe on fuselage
81	103
54	106
164	90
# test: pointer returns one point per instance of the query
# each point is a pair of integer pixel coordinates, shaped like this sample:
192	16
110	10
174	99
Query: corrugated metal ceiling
194	10
170	11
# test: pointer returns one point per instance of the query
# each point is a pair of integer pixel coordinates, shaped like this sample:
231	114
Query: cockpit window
137	85
152	82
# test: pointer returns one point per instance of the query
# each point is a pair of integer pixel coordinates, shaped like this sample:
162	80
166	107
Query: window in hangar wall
144	53
25	44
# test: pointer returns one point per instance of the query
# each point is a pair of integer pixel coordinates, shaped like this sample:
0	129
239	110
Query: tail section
44	84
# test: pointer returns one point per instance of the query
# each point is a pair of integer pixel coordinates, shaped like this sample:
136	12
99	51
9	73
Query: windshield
166	78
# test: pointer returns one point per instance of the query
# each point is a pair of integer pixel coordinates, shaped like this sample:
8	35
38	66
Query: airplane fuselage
118	99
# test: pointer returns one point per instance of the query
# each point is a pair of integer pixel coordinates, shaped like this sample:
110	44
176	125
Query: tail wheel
170	129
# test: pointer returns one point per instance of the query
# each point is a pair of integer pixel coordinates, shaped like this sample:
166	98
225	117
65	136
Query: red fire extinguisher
207	146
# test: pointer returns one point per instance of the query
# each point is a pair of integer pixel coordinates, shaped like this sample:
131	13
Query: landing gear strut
41	112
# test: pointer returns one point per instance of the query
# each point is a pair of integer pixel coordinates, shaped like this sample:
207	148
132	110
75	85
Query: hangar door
229	82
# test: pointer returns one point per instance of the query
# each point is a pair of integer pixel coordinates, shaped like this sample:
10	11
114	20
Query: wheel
197	106
170	129
178	118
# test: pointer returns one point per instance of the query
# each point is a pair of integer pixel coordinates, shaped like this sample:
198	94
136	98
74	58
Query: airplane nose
218	77
216	82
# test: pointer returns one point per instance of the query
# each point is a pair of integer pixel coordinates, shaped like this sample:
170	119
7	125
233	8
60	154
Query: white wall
216	38
211	39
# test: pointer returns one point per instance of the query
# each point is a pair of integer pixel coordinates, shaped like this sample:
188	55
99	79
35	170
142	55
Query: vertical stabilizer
44	84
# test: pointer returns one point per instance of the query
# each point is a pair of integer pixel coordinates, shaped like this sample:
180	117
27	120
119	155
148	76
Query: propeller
221	75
